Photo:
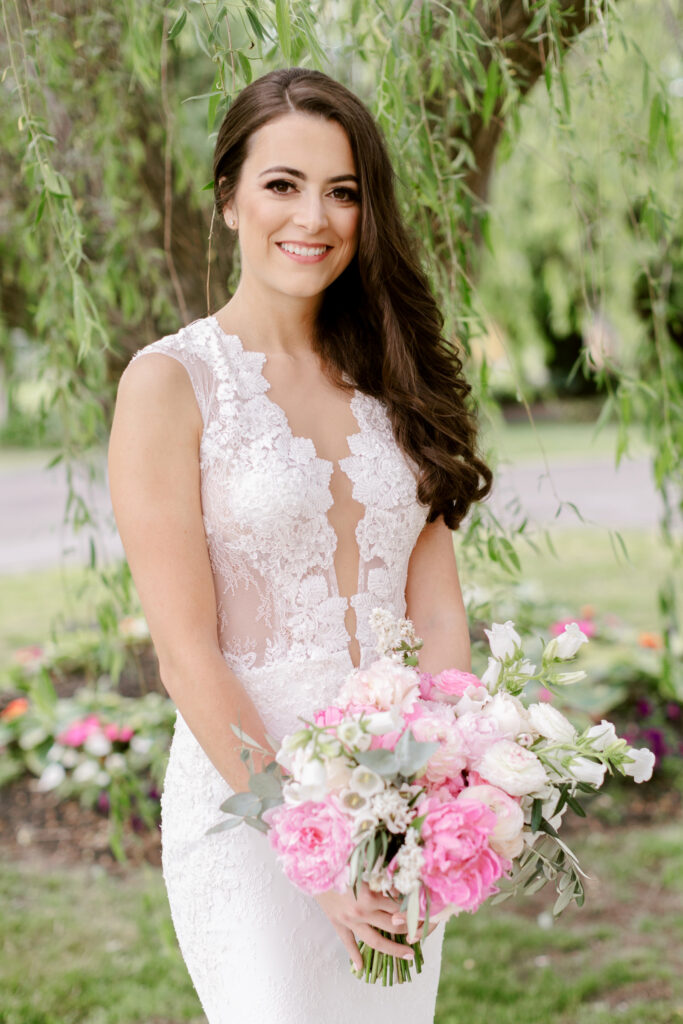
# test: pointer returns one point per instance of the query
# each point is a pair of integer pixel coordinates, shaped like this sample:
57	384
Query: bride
278	470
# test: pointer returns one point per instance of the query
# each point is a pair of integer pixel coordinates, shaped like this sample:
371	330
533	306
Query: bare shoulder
155	391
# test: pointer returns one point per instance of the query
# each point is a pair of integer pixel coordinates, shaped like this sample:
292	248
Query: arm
155	489
434	601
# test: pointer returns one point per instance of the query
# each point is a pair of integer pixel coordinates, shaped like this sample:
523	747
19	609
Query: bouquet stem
378	965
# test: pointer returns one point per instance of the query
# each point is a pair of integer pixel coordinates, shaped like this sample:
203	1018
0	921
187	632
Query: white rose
515	769
568	643
583	769
504	641
52	776
551	723
641	765
383	722
602	736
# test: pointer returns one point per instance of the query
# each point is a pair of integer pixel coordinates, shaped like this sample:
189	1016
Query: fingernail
398	919
408	956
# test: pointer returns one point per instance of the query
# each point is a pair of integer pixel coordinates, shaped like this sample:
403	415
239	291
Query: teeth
303	250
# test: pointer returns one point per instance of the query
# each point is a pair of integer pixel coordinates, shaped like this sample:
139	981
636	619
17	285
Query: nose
310	212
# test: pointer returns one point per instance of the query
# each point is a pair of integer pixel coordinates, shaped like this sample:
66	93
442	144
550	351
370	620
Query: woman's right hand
359	918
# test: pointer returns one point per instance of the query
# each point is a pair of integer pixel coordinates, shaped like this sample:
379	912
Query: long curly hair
378	322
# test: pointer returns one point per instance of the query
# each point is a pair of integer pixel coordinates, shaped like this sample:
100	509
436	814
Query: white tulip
641	764
504	641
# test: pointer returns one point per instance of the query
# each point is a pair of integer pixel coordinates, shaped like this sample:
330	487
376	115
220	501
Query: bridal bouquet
440	791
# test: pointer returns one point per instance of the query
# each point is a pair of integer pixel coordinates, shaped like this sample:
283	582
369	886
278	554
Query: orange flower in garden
652	640
15	709
587	611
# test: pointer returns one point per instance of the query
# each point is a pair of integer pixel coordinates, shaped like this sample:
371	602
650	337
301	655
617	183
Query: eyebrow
299	174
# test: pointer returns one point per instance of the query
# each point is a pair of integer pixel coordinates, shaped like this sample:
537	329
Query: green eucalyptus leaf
242	804
224	826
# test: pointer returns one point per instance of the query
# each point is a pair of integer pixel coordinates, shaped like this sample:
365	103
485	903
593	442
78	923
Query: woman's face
296	205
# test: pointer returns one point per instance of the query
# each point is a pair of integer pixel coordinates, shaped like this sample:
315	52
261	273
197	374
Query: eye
345	194
280	186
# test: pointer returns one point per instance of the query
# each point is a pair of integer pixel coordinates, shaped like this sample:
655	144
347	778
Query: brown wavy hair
378	321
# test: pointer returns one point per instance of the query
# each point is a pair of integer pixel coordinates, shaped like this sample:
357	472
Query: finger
387	922
350	945
384	945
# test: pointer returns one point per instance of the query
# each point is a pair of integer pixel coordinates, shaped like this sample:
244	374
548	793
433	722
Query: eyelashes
282	187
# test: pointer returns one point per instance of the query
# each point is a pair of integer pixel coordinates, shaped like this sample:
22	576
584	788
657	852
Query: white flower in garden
103	779
583	769
602	736
70	757
32	737
514	769
641	765
508	713
504	641
97	744
141	744
56	752
551	723
86	771
53	775
492	675
366	782
568	643
115	764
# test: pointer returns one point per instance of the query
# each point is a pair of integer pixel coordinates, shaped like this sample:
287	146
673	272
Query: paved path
32	502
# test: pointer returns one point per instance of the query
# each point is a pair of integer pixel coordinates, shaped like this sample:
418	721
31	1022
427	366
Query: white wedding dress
258	950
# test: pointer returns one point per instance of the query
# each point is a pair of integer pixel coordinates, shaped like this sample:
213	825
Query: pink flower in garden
545	695
460	869
78	732
120	733
585	625
312	841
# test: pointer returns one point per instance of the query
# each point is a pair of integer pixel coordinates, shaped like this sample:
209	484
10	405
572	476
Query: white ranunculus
602	736
583	769
568	643
97	744
515	769
53	775
641	765
504	641
86	771
551	723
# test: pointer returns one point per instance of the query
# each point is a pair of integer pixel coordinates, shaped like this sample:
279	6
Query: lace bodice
265	499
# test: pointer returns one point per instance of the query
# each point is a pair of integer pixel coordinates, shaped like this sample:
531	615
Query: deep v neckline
262	359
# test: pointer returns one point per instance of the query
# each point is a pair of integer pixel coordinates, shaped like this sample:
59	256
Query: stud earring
232	222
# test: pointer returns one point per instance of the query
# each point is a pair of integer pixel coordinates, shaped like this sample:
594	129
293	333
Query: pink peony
453	683
330	716
384	684
478	732
439	725
78	732
460	869
312	841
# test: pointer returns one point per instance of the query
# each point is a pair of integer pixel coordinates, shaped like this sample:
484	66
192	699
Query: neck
270	323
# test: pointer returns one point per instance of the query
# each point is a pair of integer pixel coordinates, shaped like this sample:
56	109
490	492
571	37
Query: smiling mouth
305	252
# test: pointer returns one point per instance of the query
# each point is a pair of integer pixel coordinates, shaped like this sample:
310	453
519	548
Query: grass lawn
81	947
